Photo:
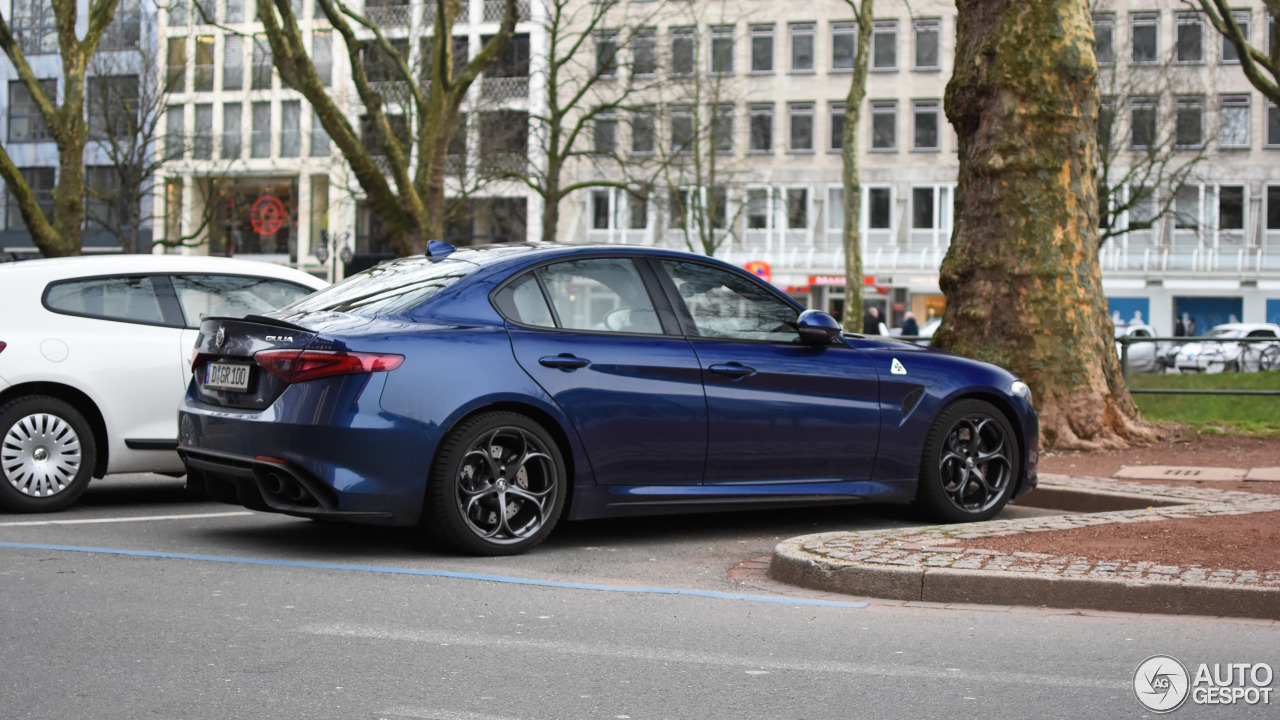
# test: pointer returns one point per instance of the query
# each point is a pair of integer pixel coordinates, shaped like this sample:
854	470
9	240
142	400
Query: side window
127	299
522	302
603	294
727	305
204	296
1262	334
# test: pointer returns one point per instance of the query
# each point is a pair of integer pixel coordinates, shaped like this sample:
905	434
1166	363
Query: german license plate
226	376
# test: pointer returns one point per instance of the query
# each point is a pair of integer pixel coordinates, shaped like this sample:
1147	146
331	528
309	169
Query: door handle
734	370
564	361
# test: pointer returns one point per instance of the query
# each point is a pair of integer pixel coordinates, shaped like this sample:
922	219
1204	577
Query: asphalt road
207	611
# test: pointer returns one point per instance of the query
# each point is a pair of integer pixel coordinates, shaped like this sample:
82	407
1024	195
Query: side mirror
817	328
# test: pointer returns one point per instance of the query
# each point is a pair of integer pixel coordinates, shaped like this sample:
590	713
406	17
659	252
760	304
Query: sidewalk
927	565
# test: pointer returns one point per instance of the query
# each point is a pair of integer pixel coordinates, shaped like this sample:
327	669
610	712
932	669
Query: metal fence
1249	354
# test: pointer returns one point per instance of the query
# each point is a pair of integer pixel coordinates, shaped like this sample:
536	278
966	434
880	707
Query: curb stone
925	565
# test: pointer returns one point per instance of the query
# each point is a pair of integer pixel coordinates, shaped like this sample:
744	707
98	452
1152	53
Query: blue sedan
485	393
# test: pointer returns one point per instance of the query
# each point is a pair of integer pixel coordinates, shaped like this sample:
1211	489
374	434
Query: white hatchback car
95	353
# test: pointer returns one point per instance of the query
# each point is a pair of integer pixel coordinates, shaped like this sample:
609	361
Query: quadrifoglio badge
1163	684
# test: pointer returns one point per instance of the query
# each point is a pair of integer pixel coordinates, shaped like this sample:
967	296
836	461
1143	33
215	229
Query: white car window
204	296
126	299
725	305
602	294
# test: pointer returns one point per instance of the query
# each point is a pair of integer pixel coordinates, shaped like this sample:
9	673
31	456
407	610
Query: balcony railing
493	10
388	16
504	89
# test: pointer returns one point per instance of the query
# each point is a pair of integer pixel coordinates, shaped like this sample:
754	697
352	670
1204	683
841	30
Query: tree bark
1023	285
852	232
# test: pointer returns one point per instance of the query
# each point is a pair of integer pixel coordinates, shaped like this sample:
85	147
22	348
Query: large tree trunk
852	232
1023	286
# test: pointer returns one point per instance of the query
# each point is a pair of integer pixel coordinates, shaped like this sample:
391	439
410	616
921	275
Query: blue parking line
436	573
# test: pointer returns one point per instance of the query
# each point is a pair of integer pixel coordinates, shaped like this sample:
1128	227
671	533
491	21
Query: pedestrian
1179	330
1190	323
871	322
909	326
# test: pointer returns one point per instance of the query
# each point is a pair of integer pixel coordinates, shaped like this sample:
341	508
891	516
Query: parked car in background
1143	356
483	392
1215	353
94	354
925	334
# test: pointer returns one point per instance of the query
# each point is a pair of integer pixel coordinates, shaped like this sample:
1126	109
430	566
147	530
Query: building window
1234	122
1230	56
206	12
1106	124
176	68
800	117
802	35
761	129
884	45
758	209
722	128
681	129
1142	121
644	47
797	208
204	64
884	125
261	77
604	132
41	181
233	63
600	216
761	49
320	138
1190	122
1273	125
1144	38
34	27
879	208
260	142
844	46
101	199
232	131
178	13
928	44
643	132
175	132
290	129
836	116
722	50
683	48
202	139
1104	38
235	11
125	28
926	114
112	102
1189	38
607	54
25	122
637	211
322	55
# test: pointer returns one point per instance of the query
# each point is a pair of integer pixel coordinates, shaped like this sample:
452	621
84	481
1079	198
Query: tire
47	454
1269	360
497	486
969	464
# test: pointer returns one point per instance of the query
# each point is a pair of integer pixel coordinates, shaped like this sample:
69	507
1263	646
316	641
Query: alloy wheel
506	486
976	463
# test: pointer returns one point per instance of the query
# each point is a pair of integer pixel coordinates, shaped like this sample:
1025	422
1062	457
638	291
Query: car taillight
295	366
3	346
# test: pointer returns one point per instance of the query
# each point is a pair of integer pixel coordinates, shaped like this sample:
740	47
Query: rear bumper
317	452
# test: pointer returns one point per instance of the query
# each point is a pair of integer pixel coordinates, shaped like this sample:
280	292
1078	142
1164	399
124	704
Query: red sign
837	280
760	269
267	215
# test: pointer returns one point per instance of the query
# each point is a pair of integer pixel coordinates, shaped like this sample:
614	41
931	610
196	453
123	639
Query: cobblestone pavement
934	547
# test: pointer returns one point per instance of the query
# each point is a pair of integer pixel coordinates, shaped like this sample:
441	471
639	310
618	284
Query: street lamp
344	252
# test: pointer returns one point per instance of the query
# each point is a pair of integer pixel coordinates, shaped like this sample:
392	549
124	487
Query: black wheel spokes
506	486
975	466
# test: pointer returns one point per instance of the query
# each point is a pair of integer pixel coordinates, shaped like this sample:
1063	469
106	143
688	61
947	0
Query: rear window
387	289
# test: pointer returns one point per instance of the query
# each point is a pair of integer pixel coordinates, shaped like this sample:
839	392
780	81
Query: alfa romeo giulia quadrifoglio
483	394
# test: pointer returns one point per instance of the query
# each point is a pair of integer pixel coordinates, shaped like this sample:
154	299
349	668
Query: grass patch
1231	414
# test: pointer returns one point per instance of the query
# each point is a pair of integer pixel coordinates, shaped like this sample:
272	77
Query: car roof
1246	326
48	269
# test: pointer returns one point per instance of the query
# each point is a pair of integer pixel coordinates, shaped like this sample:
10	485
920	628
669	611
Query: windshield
388	288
